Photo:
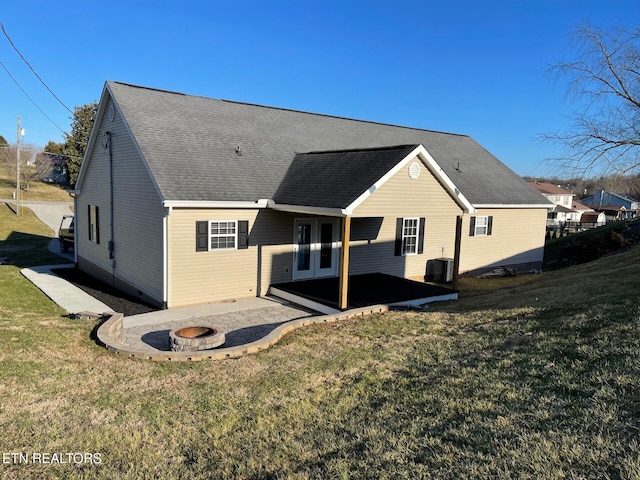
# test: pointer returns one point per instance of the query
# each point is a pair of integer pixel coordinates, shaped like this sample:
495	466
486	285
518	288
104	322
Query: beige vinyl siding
273	233
212	276
402	196
517	237
93	257
138	214
219	275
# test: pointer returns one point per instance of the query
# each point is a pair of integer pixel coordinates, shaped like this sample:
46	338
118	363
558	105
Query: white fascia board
135	143
325	211
92	136
548	206
213	204
104	100
428	161
165	258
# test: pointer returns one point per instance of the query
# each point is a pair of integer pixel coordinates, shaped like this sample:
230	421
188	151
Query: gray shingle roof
190	143
311	178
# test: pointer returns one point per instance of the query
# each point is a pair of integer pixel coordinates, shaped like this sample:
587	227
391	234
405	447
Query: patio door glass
304	246
315	248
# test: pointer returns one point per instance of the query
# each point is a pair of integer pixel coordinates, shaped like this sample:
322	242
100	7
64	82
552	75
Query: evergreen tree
76	143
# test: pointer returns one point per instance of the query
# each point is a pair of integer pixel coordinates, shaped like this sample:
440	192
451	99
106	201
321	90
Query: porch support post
456	252
343	300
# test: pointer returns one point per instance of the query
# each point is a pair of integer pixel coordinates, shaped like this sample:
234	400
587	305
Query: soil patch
117	300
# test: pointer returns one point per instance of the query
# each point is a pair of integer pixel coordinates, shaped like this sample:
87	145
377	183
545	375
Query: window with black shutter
480	226
243	234
222	235
202	236
409	236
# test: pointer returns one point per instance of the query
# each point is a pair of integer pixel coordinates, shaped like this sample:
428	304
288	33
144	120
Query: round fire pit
193	339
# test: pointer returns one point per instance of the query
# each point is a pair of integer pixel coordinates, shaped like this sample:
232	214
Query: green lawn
38	191
531	377
24	239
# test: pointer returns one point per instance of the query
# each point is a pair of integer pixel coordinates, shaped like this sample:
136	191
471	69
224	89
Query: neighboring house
186	200
589	218
615	206
53	167
567	212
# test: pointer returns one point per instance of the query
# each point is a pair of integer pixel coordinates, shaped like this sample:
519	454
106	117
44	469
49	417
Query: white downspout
165	258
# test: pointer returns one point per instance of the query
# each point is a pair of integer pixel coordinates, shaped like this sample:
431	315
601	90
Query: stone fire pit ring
193	339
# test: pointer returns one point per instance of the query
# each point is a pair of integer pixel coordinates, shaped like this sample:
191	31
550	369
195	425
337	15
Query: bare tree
32	168
35	171
605	79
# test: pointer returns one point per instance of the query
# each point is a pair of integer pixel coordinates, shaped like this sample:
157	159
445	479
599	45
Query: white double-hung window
480	226
410	236
223	234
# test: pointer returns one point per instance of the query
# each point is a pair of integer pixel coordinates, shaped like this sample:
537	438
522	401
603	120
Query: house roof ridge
339	117
284	109
210	129
151	88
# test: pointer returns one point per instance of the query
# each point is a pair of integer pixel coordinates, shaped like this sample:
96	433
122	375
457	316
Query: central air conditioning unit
443	270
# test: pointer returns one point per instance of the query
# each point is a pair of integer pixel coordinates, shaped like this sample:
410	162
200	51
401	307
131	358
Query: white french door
315	248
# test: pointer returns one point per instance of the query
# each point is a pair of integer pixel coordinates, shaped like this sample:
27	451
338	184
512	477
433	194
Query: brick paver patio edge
110	335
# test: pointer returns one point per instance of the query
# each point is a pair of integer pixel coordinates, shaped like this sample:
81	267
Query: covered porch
362	230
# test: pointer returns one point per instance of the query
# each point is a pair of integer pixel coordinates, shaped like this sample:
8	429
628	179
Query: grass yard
534	377
24	240
38	192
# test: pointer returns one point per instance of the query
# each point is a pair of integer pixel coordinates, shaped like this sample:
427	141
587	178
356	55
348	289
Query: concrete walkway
63	293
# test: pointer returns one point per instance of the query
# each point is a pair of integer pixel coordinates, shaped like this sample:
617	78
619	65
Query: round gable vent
414	170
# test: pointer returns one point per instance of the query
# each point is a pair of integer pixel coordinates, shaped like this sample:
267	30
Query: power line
31	99
31	68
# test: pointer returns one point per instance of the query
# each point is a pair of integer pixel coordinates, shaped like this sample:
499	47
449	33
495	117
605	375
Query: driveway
50	213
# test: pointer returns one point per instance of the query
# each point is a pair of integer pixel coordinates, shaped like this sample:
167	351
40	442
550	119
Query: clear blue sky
472	67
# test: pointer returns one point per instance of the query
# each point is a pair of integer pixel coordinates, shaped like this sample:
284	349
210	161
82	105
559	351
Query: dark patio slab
368	289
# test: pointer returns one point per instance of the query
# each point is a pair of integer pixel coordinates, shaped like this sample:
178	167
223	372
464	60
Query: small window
223	235
480	226
94	227
410	236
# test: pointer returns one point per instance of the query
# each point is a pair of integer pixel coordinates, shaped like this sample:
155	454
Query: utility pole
18	169
21	132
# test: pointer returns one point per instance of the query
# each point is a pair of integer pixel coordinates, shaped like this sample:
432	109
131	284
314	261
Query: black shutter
399	226
472	226
97	227
421	236
89	221
202	236
489	225
243	234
